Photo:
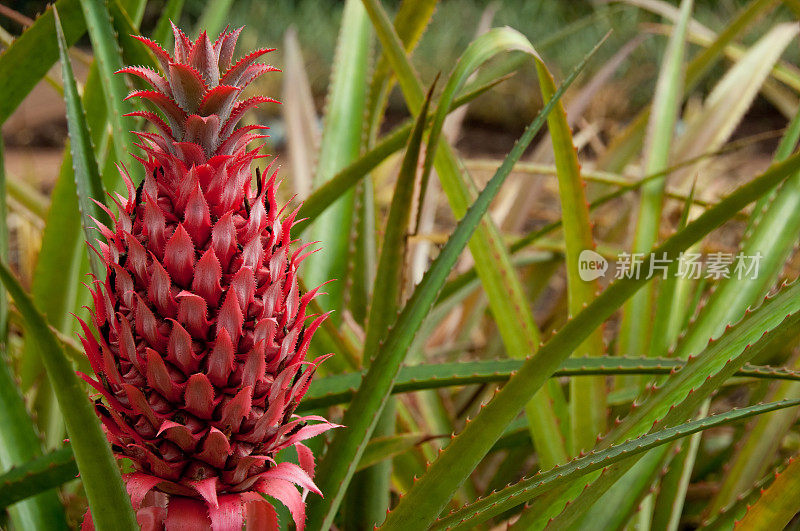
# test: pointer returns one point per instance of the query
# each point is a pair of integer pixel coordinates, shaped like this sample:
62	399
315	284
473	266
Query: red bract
202	328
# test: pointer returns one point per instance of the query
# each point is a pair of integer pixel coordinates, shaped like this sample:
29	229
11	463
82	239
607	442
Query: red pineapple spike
204	59
182	44
151	76
227	44
236	72
163	57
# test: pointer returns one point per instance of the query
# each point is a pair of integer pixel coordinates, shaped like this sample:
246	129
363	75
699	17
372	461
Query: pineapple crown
199	95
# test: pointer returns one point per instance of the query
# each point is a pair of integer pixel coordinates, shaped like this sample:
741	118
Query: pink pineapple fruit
202	329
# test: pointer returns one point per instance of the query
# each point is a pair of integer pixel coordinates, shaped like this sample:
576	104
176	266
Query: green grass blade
638	312
422	504
707	131
109	60
340	388
163	32
705	60
18	439
126	26
30	56
299	115
787	144
533	236
628	144
529	488
777	505
110	504
340	146
769	326
726	518
731	97
372	487
63	253
325	195
772	237
672	311
410	22
756	450
380	449
504	291
36	476
587	395
673	305
62	262
84	165
337	466
28	196
3	244
214	16
668	505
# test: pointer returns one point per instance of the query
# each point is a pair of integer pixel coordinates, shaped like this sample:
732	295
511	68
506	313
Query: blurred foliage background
726	148
562	31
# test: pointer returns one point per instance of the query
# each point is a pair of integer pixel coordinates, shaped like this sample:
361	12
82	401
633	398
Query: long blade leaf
421	505
482	510
339	463
110	504
84	164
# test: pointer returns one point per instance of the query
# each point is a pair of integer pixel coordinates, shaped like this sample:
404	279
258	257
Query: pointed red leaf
203	58
236	409
216	448
243	284
160	53
182	44
204	131
235	73
230	318
184	514
226	45
137	261
193	314
180	435
197	218
158	292
199	396
288	495
306	458
173	113
179	257
155	227
190	153
153	118
219	101
151	76
138	485
255	71
221	360
179	349
223	239
239	110
293	473
158	377
207	277
148	327
229	515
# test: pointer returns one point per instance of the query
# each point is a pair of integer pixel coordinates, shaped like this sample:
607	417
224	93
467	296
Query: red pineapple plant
202	330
